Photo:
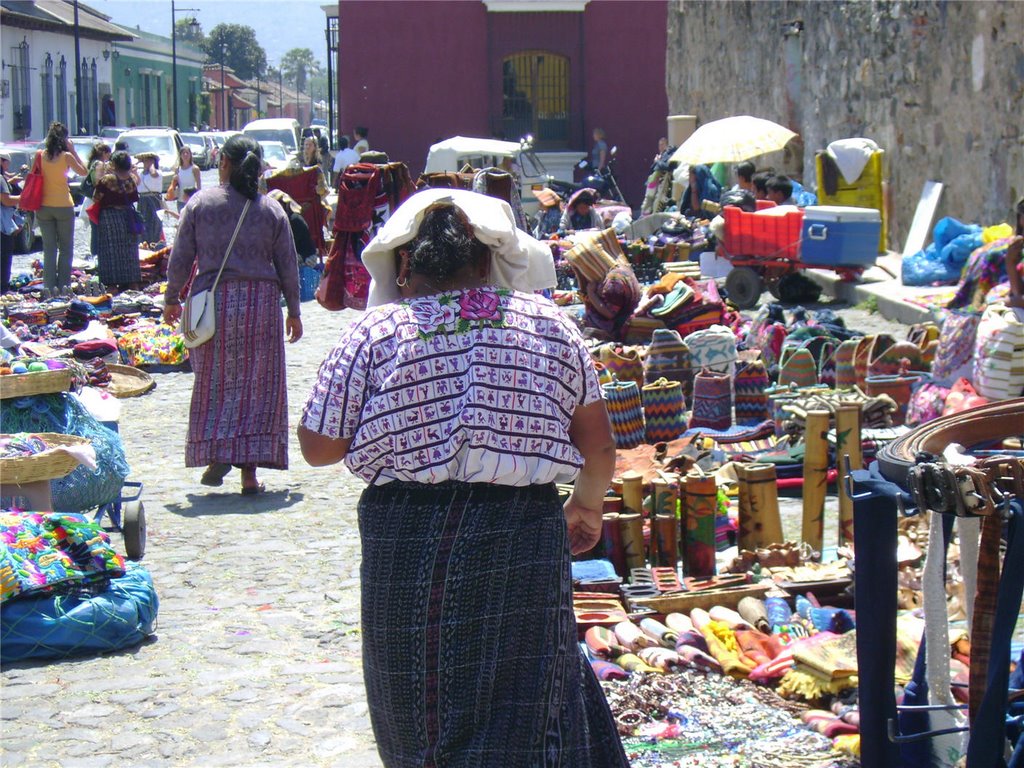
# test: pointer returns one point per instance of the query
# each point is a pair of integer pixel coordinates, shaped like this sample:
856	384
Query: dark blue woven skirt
470	652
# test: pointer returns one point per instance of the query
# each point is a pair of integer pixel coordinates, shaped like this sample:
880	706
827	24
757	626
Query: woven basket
126	381
48	465
41	383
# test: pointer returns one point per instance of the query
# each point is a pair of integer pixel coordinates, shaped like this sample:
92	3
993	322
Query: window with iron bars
21	94
62	91
535	98
47	90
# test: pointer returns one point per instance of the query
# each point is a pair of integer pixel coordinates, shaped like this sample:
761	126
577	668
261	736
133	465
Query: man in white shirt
345	156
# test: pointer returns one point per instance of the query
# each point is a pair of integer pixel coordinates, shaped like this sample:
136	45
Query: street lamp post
224	111
332	49
193	24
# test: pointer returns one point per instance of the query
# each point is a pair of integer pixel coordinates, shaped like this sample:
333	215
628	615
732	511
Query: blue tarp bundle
86	622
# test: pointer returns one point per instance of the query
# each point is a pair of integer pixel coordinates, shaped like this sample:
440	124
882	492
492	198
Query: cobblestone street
256	661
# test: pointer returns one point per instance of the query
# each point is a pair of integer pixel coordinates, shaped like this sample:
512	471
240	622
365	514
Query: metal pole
78	77
224	114
257	93
330	87
174	69
280	89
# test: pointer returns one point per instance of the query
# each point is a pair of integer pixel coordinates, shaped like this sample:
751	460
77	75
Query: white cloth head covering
518	261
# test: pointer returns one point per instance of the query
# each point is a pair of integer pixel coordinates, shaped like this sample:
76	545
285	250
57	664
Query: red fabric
358	188
345	283
32	187
302	187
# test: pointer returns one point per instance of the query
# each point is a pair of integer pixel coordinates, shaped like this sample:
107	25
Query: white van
283	129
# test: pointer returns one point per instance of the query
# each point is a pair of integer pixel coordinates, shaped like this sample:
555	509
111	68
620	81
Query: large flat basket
51	464
39	383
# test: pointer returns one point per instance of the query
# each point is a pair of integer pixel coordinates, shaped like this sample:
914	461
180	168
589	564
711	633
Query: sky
280	25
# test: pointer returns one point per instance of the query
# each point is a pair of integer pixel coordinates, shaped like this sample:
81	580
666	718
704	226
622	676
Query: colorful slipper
254	490
215	474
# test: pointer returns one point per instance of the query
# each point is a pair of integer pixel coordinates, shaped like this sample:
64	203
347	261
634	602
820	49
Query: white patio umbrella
731	140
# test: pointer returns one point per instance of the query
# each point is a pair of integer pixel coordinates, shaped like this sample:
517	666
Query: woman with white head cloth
461	397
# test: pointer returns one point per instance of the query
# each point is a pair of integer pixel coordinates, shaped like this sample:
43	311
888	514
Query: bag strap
238	226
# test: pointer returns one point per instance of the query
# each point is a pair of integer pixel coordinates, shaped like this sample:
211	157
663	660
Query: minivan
283	129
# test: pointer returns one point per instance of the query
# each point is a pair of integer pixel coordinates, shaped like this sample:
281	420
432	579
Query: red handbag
32	187
345	283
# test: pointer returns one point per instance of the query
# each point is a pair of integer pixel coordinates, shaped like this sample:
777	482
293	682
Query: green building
143	82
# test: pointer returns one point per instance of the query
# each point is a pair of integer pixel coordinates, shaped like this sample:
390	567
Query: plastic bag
948	228
959	249
927	267
66	625
996	232
740	198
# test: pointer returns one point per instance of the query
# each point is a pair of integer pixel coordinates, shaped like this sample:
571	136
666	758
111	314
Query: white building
38	79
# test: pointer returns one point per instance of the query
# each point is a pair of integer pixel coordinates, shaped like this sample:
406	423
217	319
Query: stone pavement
256	661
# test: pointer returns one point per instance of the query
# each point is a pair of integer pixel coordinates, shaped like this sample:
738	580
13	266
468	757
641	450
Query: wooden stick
760	522
815	478
633	491
631	527
847	444
701	493
666	534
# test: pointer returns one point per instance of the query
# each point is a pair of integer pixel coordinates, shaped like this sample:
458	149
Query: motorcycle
602	180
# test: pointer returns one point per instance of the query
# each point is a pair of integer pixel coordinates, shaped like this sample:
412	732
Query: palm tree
298	65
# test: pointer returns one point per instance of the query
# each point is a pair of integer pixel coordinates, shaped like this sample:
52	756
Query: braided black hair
444	244
122	161
246	156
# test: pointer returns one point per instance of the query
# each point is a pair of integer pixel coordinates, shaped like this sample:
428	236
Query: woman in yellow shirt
56	217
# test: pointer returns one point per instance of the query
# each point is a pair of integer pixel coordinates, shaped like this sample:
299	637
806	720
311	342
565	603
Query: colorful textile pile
153	345
48	552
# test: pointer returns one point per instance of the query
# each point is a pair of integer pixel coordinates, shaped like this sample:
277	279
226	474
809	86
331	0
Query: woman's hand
293	329
172	313
584	526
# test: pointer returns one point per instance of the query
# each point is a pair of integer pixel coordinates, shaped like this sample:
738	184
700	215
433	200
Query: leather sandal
215	474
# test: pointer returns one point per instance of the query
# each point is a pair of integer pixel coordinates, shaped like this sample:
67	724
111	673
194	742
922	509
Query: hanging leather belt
987	423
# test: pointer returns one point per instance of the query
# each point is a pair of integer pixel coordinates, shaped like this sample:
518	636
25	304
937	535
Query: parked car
284	129
216	142
275	154
83	146
165	142
22	157
112	132
202	149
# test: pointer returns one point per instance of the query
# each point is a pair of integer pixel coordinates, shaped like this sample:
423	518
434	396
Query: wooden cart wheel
133	529
744	287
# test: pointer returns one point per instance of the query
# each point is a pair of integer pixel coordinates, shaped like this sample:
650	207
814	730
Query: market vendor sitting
703	186
607	284
580	212
780	190
549	217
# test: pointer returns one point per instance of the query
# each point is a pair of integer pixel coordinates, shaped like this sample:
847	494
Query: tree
235	46
299	64
190	31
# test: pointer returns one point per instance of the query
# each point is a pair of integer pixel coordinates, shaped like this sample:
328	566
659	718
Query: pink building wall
415	72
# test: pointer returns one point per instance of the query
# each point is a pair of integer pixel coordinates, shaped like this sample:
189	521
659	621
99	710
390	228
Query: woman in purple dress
239	413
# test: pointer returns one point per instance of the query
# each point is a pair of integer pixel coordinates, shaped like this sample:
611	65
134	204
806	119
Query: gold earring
401	282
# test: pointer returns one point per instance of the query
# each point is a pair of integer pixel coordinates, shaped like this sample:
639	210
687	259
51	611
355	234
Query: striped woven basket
626	413
664	411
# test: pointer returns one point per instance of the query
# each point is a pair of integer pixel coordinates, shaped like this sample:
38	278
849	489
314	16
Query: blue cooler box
840	236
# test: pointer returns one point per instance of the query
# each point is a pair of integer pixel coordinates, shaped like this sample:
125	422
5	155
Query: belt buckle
935	488
1006	473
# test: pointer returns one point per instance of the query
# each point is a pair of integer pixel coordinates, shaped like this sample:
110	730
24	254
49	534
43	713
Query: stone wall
938	85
